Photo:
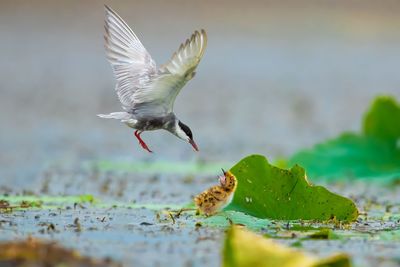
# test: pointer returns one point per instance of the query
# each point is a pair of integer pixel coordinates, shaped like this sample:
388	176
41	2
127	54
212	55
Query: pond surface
130	222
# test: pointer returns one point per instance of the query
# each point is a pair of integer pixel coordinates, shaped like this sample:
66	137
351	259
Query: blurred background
277	76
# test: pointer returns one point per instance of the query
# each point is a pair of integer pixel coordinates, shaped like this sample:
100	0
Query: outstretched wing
159	95
185	60
132	65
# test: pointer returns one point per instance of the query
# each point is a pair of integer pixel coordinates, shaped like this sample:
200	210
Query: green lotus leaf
266	191
372	154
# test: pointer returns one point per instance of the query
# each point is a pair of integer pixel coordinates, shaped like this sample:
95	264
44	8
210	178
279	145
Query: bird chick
217	197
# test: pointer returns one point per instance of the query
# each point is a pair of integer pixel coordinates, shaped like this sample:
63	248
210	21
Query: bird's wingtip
108	9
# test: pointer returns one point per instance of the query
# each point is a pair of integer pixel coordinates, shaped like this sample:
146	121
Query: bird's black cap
186	129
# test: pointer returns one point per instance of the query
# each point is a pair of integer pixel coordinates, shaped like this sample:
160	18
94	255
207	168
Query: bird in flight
148	93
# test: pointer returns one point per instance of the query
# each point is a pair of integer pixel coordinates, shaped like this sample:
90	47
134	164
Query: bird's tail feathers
115	115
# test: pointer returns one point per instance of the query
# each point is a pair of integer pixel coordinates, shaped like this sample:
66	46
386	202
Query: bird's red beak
193	145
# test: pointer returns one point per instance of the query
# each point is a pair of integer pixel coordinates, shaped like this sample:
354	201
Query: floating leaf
38	201
266	191
86	198
374	154
393	235
226	218
243	248
55	202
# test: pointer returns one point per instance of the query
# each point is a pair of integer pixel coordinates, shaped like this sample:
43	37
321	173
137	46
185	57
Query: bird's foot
144	146
141	142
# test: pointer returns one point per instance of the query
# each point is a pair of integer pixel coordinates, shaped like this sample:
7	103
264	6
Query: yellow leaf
243	248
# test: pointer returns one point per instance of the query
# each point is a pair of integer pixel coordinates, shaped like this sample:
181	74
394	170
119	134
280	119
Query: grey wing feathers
116	115
140	86
188	56
176	73
132	65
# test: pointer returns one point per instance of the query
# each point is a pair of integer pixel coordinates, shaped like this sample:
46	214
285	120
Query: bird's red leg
141	142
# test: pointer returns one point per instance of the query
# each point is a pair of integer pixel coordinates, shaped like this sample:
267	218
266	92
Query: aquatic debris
77	225
31	204
324	233
217	197
146	223
6	206
35	252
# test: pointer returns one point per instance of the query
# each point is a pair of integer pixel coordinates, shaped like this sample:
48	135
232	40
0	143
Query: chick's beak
222	180
193	145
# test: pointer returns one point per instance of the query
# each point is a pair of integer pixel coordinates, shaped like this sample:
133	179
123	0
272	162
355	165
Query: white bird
148	93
